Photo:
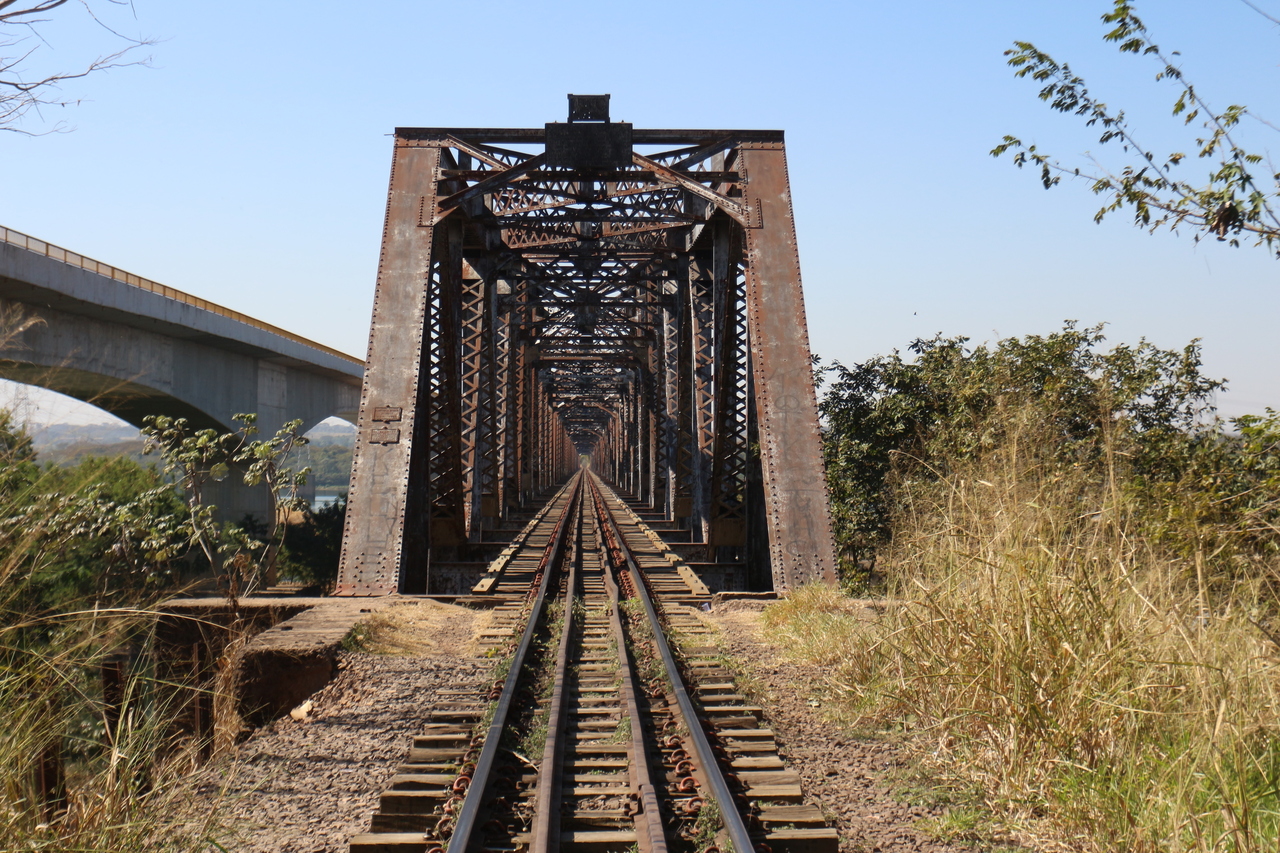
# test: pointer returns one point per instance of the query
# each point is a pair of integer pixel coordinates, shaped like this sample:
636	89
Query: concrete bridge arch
135	348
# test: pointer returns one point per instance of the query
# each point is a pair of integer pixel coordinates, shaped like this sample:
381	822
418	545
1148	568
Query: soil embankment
309	781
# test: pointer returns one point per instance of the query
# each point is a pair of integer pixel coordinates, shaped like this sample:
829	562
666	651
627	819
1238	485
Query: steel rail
641	771
734	825
464	828
549	797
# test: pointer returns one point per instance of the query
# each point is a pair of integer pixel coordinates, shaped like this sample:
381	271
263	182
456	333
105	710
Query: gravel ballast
307	785
845	775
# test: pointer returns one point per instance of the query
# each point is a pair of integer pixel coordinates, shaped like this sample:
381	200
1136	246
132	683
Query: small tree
195	459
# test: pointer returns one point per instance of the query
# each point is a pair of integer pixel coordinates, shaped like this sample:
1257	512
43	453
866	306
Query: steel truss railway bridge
587	292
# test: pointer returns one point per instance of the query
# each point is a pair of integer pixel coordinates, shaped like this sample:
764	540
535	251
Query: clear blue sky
249	164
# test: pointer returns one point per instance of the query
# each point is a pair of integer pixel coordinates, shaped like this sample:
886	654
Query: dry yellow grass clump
1101	692
419	628
122	782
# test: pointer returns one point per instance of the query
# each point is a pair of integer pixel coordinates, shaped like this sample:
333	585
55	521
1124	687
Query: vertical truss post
618	434
702	337
524	428
391	429
447	492
562	445
503	392
686	436
639	488
553	449
670	399
488	426
475	381
651	366
653	405
562	458
631	459
728	498
546	461
800	538
759	575
538	448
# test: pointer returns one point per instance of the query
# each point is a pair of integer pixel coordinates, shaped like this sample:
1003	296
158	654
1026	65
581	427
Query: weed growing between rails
1102	691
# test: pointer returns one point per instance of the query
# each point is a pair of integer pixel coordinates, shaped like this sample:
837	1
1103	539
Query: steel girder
586	290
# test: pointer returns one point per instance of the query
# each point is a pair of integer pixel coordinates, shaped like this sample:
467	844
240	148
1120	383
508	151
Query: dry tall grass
126	784
118	772
1103	694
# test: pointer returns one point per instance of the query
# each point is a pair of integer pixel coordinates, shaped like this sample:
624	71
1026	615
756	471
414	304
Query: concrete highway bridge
135	348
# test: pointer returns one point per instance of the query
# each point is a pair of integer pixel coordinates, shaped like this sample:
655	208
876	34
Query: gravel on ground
307	785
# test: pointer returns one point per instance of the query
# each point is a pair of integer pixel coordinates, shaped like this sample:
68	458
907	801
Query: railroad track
611	724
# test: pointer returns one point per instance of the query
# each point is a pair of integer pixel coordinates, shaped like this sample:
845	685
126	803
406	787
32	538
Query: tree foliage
1238	201
894	424
103	531
312	549
240	559
330	464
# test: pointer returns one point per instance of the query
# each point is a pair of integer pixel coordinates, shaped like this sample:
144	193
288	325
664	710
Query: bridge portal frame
546	293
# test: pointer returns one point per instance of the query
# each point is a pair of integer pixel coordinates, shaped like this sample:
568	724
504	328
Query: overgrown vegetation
93	754
1140	417
540	681
1080	563
88	756
708	826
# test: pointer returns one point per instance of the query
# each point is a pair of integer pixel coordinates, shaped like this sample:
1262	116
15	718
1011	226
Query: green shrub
1080	569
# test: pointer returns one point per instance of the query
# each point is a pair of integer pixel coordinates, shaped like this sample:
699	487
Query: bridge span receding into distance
134	347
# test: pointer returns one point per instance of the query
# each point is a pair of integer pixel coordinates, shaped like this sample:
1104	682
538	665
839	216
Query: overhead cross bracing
587	289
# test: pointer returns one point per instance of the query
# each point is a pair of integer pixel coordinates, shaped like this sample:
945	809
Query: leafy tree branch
1240	198
194	460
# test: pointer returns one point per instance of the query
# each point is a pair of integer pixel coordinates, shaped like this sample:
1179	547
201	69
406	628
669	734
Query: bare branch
21	93
38	9
1260	12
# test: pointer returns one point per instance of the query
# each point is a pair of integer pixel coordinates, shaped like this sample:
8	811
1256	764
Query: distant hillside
68	455
333	432
61	435
328	455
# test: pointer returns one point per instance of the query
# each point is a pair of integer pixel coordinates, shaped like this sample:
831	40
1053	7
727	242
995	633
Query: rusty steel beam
585	298
800	539
374	558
